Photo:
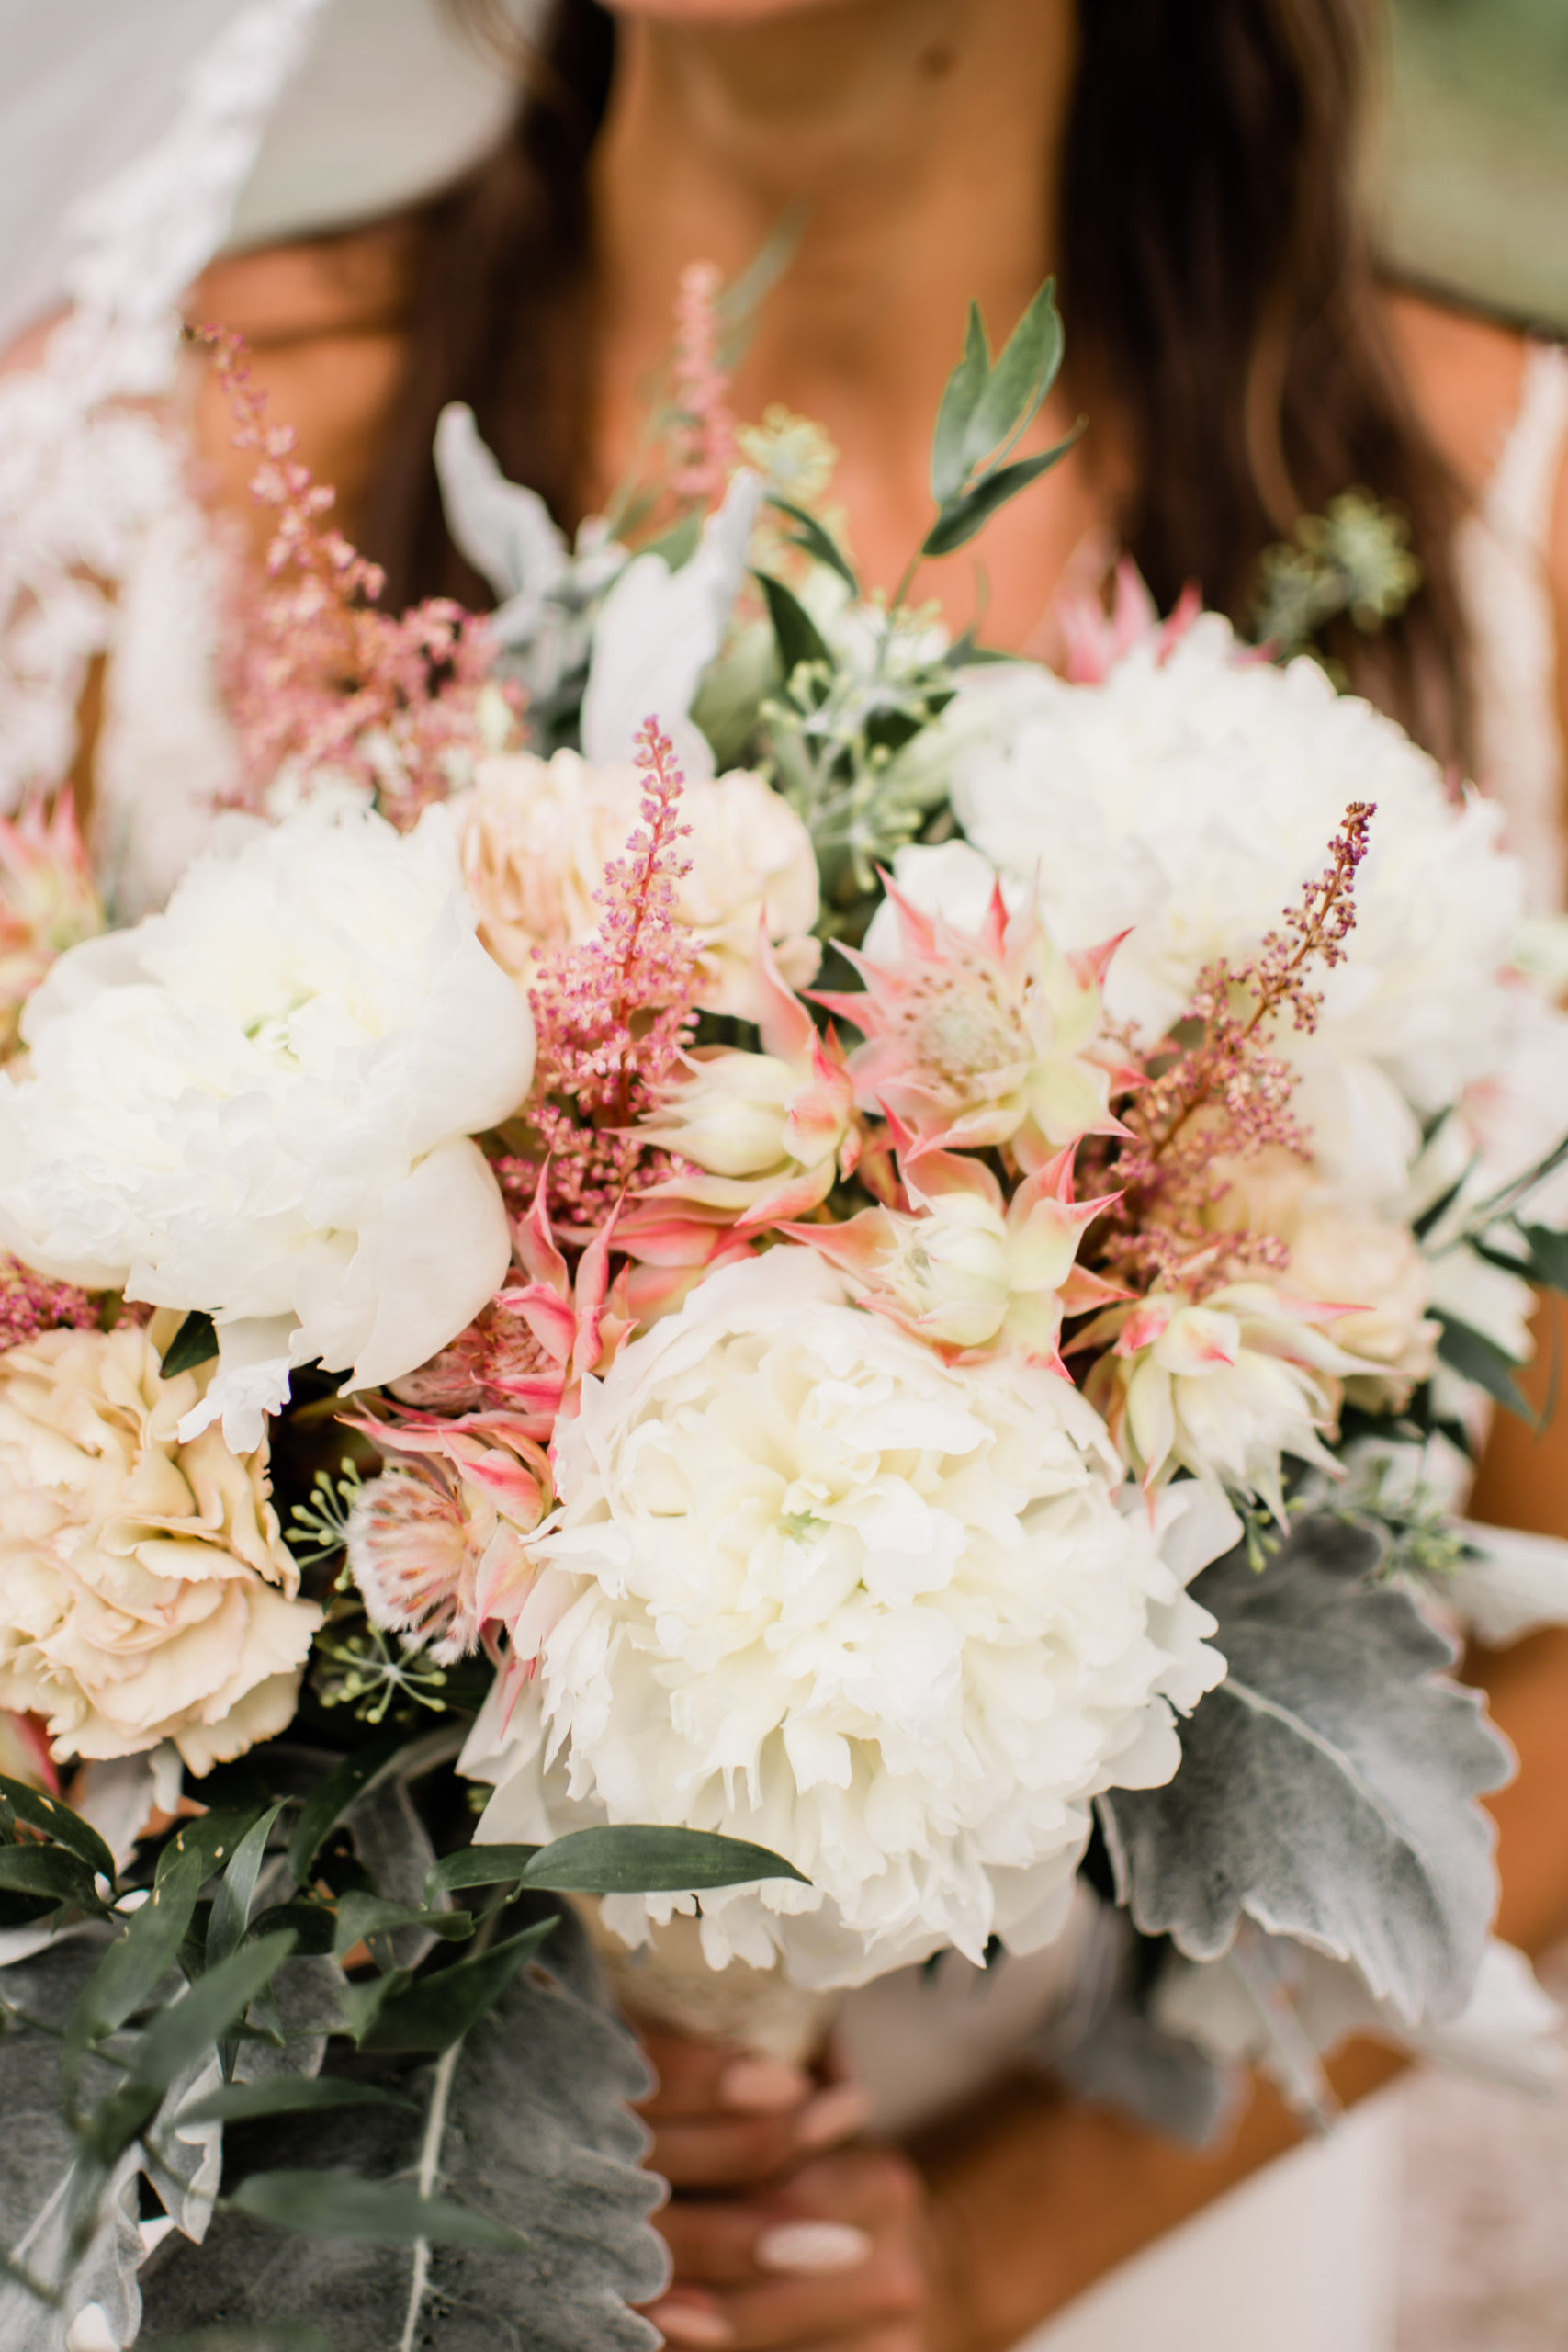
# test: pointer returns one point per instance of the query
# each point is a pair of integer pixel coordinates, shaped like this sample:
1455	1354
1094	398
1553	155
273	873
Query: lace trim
1500	552
81	476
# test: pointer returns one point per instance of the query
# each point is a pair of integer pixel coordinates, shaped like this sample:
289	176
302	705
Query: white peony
537	836
260	1103
814	1587
1191	796
145	1592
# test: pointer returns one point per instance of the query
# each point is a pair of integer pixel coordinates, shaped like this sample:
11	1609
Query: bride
390	244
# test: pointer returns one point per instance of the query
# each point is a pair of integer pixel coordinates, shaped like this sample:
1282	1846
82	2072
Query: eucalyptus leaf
1548	1256
193	1343
960	399
331	1799
360	1916
648	1859
145	1953
495	1865
438	2009
796	634
809	536
525	2123
1478	1359
1018	381
249	2102
968	513
1326	1788
336	2205
48	1870
232	1906
57	1823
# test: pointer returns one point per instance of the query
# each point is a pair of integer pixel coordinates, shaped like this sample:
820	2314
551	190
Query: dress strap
1501	555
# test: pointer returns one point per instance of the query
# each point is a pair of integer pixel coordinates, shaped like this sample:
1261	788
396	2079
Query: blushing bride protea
887	1616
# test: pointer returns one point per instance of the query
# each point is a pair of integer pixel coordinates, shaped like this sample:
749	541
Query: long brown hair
1215	284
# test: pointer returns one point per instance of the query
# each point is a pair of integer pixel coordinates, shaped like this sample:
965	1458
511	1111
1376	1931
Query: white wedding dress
140	142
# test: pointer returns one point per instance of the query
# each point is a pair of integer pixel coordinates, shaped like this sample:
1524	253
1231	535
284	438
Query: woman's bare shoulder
1464	374
325	325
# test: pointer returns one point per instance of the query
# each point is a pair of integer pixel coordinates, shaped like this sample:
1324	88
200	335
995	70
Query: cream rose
536	835
145	1593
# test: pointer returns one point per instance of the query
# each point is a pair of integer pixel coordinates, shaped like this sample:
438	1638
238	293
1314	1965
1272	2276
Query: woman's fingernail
763	2086
833	2115
811	2249
681	2323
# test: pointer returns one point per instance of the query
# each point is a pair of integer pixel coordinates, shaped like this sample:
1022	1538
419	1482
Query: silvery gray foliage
1160	2079
1327	1786
37	2157
526	2123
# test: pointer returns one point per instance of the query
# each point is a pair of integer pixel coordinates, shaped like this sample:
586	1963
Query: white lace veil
139	141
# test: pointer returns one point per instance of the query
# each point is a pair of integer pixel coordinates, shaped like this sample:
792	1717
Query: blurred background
1472	162
1471	193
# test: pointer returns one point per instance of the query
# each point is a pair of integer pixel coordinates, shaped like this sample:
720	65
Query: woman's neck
920	139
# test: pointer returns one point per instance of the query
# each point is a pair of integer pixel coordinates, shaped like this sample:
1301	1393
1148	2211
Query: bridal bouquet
727	1257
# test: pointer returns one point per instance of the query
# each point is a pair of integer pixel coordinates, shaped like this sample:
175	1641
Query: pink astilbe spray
1226	1097
613	1013
704	450
319	679
31	1303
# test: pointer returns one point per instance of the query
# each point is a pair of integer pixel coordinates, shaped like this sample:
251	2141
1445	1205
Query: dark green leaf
48	1870
526	2123
326	1805
950	465
57	1821
145	1953
1018	381
215	1836
206	2010
961	519
809	536
478	1866
286	2095
314	1925
438	2009
634	1859
231	1904
195	1342
360	1916
1476	1358
1435	1211
336	2205
795	632
1548	1256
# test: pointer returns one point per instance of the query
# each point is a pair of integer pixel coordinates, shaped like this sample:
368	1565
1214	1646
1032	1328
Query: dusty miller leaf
1326	1787
525	2122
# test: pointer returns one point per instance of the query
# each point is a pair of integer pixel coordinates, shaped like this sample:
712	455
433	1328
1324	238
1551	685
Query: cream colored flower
895	1619
537	836
145	1593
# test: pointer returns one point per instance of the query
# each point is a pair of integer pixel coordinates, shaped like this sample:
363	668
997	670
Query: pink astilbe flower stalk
1225	1097
613	1013
984	1040
30	1303
49	900
322	683
704	444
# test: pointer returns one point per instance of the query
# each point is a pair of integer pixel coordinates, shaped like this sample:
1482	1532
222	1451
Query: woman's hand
782	2234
